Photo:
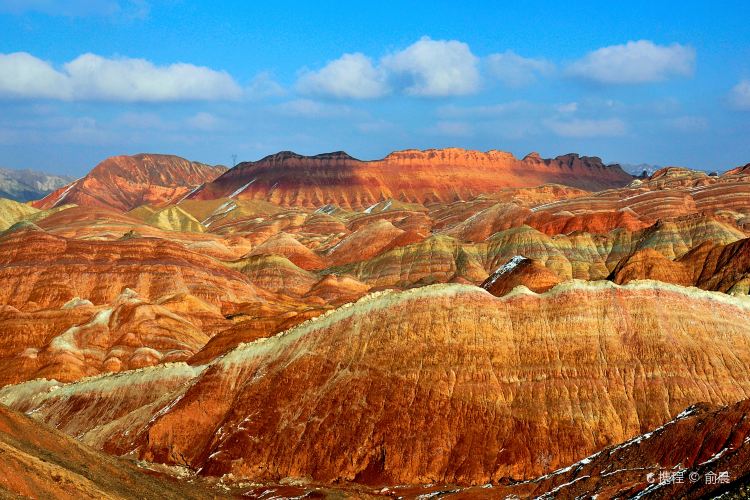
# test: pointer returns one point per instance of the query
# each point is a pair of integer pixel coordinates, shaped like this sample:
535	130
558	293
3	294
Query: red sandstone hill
40	462
443	384
434	175
710	266
125	182
675	460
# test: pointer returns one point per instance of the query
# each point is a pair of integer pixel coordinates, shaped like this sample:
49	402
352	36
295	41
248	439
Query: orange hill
434	175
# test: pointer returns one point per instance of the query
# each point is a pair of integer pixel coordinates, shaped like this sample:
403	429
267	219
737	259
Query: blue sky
632	82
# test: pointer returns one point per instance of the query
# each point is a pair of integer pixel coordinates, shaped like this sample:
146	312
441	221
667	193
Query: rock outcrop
125	182
520	271
39	462
411	176
443	384
39	270
709	266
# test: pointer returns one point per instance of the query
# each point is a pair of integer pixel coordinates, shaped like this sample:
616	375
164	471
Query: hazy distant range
26	185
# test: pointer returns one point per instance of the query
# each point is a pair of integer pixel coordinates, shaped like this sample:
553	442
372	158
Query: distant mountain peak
26	185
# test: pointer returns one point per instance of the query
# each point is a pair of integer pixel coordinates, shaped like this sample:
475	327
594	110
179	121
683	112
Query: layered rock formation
40	270
40	462
709	266
155	307
125	182
444	384
411	176
12	212
704	452
520	271
128	334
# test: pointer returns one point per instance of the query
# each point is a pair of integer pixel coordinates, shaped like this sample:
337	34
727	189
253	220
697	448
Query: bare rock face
709	266
410	176
286	246
520	271
412	385
129	334
125	182
364	243
443	384
12	212
669	193
40	462
702	453
39	270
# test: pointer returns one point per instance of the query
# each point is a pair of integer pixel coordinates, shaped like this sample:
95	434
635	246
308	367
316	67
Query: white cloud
740	95
434	68
96	77
350	76
516	71
264	85
92	77
425	68
581	128
635	62
23	75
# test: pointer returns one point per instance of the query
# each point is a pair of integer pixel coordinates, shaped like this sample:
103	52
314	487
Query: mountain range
436	323
27	185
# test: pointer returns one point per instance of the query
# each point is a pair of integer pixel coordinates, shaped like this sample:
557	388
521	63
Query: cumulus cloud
263	86
92	77
350	76
425	68
635	62
516	71
740	95
23	75
581	128
435	68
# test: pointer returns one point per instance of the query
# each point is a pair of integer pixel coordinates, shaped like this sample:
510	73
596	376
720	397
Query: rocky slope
702	453
125	182
709	266
156	313
411	176
383	391
27	185
520	271
39	462
39	270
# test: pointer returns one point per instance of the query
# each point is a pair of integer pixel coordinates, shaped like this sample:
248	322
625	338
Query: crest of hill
125	182
409	176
